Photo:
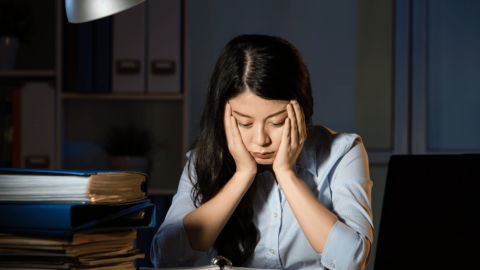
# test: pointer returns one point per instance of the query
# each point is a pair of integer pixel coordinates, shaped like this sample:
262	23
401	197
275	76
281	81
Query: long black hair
271	68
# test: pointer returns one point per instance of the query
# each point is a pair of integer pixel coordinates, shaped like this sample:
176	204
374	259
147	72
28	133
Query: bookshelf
80	119
28	73
117	96
84	117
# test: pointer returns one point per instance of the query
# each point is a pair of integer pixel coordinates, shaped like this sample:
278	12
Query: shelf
117	96
27	73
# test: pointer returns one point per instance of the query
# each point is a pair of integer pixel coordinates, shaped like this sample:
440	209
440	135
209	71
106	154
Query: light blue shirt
335	167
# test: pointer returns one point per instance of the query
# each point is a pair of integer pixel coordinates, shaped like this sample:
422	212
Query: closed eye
278	124
244	126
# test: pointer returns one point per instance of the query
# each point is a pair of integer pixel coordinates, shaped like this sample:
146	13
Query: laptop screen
430	212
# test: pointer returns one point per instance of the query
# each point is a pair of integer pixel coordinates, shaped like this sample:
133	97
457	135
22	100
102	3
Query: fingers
293	124
228	122
232	128
300	121
235	132
226	115
286	132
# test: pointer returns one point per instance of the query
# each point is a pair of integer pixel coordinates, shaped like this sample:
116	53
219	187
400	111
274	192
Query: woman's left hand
294	135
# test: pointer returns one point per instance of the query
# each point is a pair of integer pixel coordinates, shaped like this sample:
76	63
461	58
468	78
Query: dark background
401	74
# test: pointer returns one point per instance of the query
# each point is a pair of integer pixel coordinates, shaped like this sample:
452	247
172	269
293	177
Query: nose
261	138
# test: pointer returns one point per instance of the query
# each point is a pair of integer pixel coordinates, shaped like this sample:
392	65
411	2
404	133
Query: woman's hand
294	135
244	161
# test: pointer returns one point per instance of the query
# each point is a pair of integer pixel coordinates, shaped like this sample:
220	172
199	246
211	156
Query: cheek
245	134
276	136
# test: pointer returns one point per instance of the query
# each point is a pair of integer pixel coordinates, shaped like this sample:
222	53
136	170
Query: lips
264	155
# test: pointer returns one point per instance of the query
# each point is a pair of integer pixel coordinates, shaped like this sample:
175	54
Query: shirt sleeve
170	246
349	244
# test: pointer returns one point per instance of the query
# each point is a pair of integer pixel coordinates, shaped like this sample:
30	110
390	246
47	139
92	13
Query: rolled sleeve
170	246
175	250
349	243
344	248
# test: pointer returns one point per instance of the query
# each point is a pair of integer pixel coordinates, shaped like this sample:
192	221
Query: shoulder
328	140
190	154
189	172
331	146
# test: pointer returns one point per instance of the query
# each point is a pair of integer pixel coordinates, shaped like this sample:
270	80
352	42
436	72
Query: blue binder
60	218
69	218
52	171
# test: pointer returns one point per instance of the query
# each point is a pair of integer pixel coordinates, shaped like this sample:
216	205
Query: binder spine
24	217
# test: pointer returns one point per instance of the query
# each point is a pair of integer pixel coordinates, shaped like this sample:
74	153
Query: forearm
204	224
313	217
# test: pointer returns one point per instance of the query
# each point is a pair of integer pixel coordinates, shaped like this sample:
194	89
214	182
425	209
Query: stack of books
52	219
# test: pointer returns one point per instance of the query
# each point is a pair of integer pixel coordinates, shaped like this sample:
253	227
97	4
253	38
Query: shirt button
275	215
272	251
180	259
332	266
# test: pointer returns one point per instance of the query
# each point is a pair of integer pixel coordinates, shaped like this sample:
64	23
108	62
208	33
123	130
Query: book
91	43
34	129
164	43
102	55
6	127
63	241
94	187
108	250
128	50
67	218
16	127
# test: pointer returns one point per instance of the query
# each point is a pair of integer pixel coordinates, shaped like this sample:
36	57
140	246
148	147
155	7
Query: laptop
431	212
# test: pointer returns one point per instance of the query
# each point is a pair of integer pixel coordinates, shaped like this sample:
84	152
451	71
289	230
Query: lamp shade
79	11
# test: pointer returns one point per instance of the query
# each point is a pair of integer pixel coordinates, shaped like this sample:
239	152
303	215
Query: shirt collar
307	159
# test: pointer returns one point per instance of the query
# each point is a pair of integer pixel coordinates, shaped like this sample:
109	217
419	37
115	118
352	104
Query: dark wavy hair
271	68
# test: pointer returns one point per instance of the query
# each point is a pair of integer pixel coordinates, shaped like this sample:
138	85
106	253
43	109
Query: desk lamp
80	11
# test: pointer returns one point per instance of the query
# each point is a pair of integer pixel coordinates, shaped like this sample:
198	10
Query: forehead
255	106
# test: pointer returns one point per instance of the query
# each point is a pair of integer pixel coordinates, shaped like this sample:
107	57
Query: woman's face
261	123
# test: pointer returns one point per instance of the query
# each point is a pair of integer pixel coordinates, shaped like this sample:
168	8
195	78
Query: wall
374	89
325	33
452	81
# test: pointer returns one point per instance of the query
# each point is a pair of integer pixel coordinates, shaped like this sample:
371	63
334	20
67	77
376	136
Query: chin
264	161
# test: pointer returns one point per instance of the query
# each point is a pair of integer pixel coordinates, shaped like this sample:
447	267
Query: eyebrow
271	115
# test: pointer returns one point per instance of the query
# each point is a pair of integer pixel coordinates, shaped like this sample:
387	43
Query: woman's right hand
244	161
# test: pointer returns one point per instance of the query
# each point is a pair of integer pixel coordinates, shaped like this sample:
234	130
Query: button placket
277	221
275	224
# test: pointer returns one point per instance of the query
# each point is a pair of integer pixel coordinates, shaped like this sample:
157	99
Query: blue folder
69	218
60	218
53	171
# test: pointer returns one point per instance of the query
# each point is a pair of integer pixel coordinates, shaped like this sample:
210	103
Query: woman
262	187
